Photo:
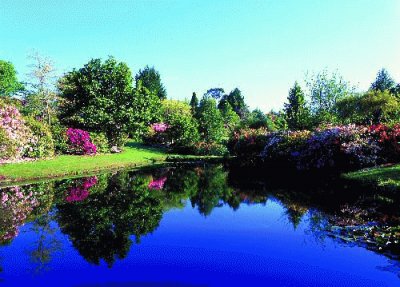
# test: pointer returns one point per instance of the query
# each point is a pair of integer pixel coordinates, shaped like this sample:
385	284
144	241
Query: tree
41	99
183	129
211	124
194	103
296	111
324	91
368	108
100	97
151	80
383	81
216	93
8	79
230	118
236	100
258	119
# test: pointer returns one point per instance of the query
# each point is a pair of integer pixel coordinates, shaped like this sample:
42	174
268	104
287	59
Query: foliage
211	123
194	103
9	84
216	93
182	127
236	101
278	121
146	110
41	144
100	141
247	144
100	98
79	142
258	119
230	118
383	81
209	148
296	111
59	134
324	92
151	80
368	108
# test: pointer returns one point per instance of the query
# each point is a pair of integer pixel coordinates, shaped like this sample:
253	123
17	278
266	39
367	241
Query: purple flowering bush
339	147
79	142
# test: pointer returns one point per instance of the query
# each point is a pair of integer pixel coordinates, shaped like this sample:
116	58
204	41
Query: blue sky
262	47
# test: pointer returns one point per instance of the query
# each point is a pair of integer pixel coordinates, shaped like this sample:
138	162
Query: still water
197	226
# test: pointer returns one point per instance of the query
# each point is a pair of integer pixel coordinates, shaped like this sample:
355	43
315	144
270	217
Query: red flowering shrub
79	142
158	183
388	139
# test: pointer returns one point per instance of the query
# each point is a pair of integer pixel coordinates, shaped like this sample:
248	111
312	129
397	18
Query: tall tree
383	81
41	98
324	92
151	80
236	100
8	79
296	111
211	123
194	103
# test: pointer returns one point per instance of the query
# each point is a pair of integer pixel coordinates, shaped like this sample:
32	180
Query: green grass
387	177
133	155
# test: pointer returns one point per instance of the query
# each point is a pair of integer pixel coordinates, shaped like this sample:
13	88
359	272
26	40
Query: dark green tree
236	100
258	119
100	97
9	83
296	111
151	80
194	103
383	81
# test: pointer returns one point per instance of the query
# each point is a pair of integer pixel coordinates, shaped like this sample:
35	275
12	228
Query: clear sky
262	47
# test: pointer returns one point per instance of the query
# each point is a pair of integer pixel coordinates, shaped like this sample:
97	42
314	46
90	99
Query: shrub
204	148
14	129
101	142
41	144
60	138
7	146
79	142
248	143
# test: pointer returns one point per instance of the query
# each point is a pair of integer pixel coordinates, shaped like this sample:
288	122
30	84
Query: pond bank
382	177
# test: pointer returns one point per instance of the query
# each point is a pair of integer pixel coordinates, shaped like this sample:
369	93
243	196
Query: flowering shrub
158	183
17	134
79	142
15	207
159	127
388	139
340	147
101	142
204	148
80	191
248	143
41	144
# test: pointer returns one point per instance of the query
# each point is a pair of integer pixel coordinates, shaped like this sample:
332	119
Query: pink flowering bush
80	192
15	207
17	136
248	143
159	127
79	142
158	183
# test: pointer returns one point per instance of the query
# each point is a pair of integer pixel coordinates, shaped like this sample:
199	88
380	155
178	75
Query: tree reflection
119	206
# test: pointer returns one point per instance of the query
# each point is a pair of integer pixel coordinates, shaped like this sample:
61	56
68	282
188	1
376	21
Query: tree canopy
151	80
9	83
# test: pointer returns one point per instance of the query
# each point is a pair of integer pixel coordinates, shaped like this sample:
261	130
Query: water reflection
105	215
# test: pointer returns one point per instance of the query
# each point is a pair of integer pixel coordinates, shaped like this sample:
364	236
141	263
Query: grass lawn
384	177
133	155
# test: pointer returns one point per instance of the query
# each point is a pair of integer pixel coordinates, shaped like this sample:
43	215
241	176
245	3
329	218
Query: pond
197	225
